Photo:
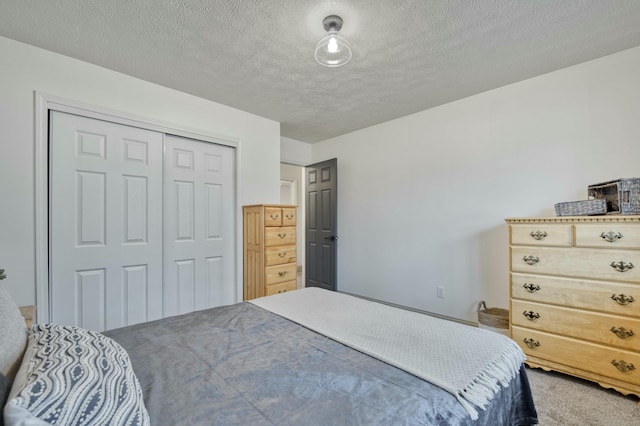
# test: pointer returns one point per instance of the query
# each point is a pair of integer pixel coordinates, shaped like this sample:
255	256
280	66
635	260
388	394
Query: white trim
43	104
408	308
127	119
293	162
41	206
239	231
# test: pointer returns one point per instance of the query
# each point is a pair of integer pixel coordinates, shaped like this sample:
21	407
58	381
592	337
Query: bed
248	364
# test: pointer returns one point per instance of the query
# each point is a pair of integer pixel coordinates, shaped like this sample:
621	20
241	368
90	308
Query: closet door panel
105	223
198	225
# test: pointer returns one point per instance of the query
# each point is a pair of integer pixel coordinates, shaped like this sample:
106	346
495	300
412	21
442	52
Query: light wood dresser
269	250
575	296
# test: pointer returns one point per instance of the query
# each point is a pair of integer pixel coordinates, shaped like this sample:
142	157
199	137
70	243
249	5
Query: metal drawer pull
274	216
282	273
622	299
282	291
282	254
622	332
289	216
623	366
611	236
531	315
531	288
282	235
531	260
539	235
531	343
622	266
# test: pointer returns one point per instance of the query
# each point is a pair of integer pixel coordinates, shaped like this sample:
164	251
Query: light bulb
332	50
332	46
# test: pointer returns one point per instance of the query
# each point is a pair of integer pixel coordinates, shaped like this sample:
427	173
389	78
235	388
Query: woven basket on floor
493	317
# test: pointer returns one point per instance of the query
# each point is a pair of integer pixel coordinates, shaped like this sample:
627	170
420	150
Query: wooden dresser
29	315
269	250
575	296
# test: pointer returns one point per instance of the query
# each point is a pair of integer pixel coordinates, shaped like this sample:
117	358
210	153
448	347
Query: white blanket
468	362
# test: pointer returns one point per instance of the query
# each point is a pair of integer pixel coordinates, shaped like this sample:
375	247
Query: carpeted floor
564	400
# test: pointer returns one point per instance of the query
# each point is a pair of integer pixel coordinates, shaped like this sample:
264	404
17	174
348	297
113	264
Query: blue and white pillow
73	376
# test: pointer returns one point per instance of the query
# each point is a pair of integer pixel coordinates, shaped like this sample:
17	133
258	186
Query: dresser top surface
271	205
576	219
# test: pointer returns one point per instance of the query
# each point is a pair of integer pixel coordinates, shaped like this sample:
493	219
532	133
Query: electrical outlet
440	291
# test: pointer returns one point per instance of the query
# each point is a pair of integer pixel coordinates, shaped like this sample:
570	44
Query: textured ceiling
257	56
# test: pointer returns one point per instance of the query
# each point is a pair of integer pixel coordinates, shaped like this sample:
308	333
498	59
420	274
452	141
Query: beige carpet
564	400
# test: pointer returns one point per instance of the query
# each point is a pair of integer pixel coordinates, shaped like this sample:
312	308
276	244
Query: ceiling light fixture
333	50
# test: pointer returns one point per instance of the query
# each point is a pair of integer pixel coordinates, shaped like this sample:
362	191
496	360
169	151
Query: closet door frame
45	103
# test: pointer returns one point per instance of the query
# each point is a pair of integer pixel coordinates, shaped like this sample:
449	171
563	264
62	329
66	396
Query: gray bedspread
242	365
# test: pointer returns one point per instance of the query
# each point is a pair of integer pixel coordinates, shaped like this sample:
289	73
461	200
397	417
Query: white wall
25	69
295	152
422	199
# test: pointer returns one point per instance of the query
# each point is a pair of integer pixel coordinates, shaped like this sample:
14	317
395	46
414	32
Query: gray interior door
321	224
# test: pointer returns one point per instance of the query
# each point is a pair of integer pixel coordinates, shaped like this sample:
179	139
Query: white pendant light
333	50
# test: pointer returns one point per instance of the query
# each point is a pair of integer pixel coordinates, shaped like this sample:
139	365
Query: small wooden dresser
269	250
575	296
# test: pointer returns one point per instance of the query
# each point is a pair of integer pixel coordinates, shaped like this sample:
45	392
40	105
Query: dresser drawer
280	288
610	265
541	234
288	216
272	216
280	236
277	255
279	216
609	297
601	328
606	235
280	273
586	356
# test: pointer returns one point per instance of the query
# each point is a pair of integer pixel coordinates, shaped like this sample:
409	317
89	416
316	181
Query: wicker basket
581	208
493	318
622	196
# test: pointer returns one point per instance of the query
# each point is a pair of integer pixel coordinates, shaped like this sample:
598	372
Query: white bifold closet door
198	225
138	230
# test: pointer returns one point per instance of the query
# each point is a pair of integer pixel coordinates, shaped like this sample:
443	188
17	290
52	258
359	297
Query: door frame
301	216
45	103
